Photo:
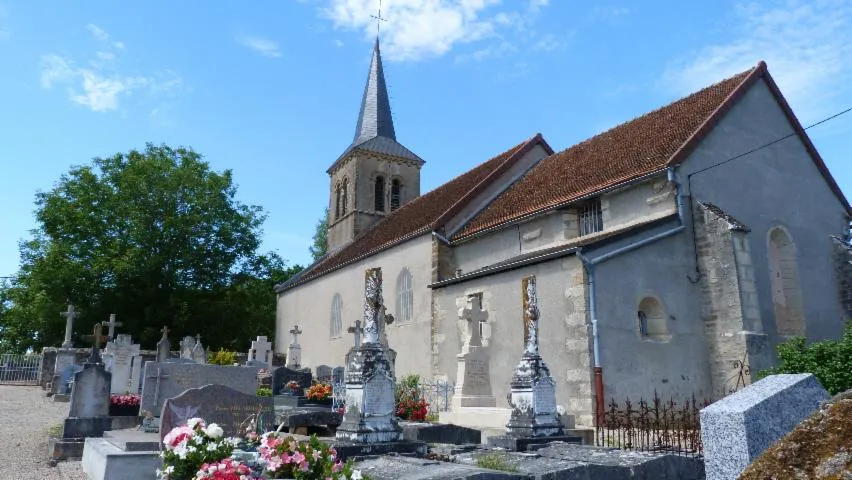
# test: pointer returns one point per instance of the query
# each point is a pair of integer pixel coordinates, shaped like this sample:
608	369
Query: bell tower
375	175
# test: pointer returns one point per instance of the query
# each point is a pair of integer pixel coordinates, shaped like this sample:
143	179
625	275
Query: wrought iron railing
20	369
436	392
655	426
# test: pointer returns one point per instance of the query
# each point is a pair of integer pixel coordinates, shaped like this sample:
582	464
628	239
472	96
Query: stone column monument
294	351
370	415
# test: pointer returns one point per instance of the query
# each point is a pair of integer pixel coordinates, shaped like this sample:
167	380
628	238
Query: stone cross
296	331
96	339
475	316
356	330
165	330
69	315
164	346
112	324
372	304
531	314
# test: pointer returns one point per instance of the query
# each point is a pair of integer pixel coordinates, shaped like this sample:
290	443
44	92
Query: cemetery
131	417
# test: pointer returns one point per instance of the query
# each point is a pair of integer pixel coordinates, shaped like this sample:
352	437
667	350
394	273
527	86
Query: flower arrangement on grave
409	403
319	391
188	447
127	400
226	469
285	457
293	387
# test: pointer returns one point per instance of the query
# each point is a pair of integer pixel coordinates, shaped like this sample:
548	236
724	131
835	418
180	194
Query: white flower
170	469
356	475
211	447
192	422
214	431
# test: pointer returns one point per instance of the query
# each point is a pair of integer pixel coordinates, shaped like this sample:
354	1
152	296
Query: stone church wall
776	186
309	305
564	333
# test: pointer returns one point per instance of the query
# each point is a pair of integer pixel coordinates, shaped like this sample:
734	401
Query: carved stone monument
473	380
294	351
111	324
69	315
119	357
89	412
186	346
164	346
532	395
370	415
261	350
199	354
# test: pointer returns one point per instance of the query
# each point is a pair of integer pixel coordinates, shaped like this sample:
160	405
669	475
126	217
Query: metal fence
436	392
655	426
20	369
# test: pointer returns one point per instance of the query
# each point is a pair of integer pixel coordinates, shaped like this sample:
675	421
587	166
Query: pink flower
297	458
317	454
303	466
337	467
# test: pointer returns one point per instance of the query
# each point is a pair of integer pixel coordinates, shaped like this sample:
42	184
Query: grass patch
55	430
495	461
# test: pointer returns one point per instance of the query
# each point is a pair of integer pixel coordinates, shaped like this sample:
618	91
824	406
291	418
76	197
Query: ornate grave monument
164	346
294	351
199	354
532	395
118	358
473	380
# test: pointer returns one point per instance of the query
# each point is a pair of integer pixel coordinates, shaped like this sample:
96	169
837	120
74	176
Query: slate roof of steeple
374	131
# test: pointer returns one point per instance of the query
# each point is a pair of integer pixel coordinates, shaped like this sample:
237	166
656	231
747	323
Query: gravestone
199	355
63	372
370	415
281	376
473	378
257	364
134	385
739	427
294	351
69	315
261	350
88	415
323	373
532	396
337	374
119	355
111	324
164	346
66	382
186	346
230	409
163	380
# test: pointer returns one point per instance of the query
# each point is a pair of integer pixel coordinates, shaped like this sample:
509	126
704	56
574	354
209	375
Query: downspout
590	264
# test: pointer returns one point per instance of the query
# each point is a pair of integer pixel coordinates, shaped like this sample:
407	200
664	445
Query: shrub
409	404
829	360
222	357
264	392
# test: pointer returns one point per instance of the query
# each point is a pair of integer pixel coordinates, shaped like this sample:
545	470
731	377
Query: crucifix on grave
96	338
473	377
356	330
69	315
294	351
112	324
164	346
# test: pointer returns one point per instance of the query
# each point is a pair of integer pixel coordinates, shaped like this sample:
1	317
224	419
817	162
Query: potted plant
194	446
124	405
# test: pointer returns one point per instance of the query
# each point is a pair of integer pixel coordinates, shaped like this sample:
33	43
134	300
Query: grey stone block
444	433
104	461
738	428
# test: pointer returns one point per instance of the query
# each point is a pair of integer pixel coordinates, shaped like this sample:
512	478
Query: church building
666	249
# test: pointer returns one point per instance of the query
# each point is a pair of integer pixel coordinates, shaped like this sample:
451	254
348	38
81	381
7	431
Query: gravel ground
26	417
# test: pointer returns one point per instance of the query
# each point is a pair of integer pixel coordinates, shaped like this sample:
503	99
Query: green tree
829	360
156	237
320	246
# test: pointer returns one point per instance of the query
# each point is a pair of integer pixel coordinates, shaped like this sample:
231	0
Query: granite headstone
282	375
324	373
739	427
230	409
163	380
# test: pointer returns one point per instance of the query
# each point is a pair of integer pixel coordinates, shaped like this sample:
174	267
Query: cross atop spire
379	19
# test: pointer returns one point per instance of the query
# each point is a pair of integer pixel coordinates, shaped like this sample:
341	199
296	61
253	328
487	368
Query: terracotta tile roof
416	217
630	150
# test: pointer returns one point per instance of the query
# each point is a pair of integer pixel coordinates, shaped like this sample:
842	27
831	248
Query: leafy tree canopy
320	246
154	236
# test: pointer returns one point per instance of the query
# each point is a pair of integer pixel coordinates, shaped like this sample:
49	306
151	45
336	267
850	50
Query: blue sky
271	89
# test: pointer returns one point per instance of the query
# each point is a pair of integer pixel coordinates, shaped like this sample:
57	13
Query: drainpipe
590	264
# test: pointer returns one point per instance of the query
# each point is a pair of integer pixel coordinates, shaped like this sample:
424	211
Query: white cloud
338	43
265	47
98	85
807	46
417	29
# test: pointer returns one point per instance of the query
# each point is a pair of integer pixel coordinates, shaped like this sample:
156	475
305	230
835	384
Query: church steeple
375	119
376	174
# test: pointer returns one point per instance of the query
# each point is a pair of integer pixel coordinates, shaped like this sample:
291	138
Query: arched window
396	187
345	195
336	323
784	281
404	296
653	321
337	202
379	194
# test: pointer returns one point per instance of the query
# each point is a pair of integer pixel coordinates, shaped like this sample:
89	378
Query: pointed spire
375	119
